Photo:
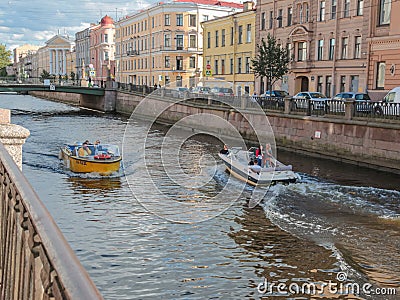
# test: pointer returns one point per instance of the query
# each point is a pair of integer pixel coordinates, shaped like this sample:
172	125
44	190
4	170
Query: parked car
318	100
204	90
390	105
363	102
274	98
219	91
179	92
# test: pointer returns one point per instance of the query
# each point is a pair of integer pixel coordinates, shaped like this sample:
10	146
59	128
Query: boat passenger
84	150
225	150
269	158
260	155
254	167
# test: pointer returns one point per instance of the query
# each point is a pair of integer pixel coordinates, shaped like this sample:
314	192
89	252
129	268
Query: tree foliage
5	56
271	61
45	75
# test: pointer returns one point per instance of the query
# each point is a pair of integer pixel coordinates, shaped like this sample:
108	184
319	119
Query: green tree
44	75
72	75
5	56
271	62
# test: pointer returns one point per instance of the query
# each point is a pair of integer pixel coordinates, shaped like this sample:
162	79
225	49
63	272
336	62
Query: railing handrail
75	280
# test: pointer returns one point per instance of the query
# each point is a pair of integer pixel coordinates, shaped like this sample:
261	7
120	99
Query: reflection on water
338	217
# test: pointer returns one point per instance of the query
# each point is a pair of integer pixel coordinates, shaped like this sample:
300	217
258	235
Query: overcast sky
36	21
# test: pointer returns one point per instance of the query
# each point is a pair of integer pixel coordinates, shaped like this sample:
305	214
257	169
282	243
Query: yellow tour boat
103	158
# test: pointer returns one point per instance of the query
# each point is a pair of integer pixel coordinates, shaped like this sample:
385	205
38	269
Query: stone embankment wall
69	98
363	143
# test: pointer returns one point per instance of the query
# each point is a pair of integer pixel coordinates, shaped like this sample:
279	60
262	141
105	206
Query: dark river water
339	220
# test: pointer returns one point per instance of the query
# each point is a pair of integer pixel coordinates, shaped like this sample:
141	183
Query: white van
393	96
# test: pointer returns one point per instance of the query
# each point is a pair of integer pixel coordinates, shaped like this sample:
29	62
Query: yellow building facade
163	44
229	47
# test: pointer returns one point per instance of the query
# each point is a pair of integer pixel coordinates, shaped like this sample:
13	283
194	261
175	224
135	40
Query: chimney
248	5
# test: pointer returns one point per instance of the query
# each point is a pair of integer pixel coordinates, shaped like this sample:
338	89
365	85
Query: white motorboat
237	163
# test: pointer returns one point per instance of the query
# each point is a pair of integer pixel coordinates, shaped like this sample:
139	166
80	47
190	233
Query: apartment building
229	47
384	47
23	60
164	43
102	49
82	50
326	39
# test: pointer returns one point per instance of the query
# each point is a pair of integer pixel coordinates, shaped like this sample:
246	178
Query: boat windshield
109	149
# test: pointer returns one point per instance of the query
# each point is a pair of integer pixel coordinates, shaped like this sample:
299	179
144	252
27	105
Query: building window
216	67
239	65
302	51
192	20
232	36
307	9
240	34
320	51
223	38
380	75
179	63
319	84
216	38
354	83
152	22
300	10
280	18
331	49
179	20
360	7
208	40
106	56
167	79
167	62
231	65
192	40
357	47
263	21
345	42
321	16
222	66
346	9
205	18
328	85
333	9
247	66
248	34
289	16
106	38
179	42
271	19
167	40
342	84
192	62
152	42
384	12
167	20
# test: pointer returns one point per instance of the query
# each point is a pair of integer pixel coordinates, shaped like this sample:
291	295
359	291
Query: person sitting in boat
269	158
254	167
225	150
84	150
260	155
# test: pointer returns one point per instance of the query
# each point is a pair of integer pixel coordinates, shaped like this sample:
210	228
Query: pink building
102	48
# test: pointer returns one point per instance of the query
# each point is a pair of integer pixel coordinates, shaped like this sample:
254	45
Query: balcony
132	52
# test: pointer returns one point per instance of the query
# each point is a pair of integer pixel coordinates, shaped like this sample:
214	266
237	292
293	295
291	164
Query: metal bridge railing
36	261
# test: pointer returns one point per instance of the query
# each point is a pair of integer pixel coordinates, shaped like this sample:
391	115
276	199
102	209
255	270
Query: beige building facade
229	47
164	43
326	40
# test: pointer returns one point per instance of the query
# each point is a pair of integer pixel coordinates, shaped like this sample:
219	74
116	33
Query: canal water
339	220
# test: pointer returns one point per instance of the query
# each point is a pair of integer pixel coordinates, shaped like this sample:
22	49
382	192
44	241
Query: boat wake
347	220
